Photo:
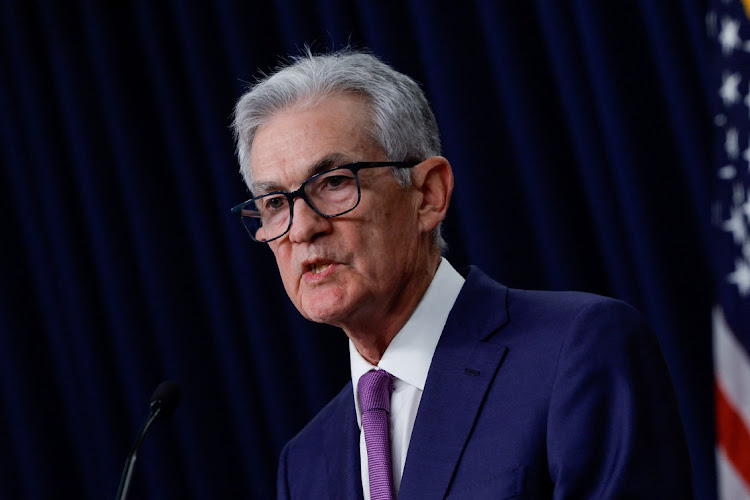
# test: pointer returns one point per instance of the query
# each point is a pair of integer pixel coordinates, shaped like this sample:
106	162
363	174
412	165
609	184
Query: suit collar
483	305
465	363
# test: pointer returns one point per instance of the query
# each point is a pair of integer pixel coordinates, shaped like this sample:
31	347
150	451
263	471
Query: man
481	391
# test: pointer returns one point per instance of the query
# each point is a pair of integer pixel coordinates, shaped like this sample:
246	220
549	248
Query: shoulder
480	284
574	310
553	314
553	330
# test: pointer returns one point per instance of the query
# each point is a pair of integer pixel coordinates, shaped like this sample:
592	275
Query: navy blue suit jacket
529	395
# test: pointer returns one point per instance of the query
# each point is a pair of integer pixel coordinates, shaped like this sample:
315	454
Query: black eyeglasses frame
355	167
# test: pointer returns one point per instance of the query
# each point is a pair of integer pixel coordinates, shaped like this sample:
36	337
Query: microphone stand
127	472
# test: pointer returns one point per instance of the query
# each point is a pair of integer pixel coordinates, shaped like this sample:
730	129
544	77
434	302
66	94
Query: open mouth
318	268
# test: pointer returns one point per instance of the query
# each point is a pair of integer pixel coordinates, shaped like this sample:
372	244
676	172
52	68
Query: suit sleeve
613	426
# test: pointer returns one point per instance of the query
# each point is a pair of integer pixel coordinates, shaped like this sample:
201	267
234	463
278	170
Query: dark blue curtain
580	137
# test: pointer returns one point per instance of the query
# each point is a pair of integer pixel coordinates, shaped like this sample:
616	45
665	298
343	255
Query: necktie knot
375	389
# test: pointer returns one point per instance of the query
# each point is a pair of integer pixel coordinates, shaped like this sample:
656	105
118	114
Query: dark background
581	141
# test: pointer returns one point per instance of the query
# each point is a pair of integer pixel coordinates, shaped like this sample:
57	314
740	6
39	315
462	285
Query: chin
328	311
321	317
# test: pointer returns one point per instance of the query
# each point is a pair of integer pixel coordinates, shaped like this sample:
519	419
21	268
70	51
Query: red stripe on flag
732	435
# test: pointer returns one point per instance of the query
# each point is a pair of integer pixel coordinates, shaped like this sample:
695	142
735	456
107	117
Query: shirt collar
409	354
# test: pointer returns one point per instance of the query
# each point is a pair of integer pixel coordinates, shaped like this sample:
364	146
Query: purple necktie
375	388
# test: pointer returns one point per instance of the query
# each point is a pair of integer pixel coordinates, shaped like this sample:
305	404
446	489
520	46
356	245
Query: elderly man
460	386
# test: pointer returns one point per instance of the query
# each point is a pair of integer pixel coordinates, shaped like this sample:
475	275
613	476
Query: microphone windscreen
167	397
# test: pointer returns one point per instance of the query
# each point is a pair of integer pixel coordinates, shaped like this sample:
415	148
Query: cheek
393	230
286	270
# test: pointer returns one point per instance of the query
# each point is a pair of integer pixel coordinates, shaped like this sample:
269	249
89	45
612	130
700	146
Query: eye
273	203
335	181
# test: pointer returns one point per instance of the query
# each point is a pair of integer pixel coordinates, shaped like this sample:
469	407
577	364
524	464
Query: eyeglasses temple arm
239	211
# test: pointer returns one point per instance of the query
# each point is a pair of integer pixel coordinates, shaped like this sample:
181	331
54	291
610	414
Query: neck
372	337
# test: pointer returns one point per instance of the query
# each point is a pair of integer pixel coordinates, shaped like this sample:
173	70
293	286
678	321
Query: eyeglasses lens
330	194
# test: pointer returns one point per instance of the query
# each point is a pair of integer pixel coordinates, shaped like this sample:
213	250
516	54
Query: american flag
728	25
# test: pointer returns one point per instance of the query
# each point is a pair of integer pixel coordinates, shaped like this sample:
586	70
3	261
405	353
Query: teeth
318	268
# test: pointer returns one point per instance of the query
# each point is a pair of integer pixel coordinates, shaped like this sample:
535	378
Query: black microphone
164	401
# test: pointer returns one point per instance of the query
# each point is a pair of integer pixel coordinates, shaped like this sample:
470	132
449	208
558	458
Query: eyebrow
326	163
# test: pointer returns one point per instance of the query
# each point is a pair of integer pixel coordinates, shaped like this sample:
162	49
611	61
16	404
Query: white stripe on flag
731	366
730	484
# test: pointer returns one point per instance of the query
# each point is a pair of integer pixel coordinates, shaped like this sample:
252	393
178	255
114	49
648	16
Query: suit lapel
341	451
465	363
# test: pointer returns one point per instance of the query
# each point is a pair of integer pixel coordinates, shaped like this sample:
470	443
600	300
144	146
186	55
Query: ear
433	179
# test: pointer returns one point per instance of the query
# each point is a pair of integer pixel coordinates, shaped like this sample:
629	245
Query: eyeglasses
330	194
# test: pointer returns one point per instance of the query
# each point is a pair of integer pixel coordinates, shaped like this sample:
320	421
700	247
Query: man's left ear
433	178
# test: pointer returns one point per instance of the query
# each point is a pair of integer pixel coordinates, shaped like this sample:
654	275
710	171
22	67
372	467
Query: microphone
164	401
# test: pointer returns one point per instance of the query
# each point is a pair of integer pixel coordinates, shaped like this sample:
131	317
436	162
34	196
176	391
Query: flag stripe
732	436
731	486
731	366
732	400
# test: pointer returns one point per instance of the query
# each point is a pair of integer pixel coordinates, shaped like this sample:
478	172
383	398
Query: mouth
317	268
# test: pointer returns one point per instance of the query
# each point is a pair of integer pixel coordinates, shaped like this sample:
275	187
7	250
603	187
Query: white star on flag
741	277
729	91
729	38
736	225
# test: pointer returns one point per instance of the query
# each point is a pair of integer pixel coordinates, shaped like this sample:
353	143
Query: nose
306	223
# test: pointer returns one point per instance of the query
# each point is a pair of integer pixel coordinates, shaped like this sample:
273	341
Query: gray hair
403	124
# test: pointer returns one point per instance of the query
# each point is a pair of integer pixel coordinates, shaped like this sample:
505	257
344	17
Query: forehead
295	142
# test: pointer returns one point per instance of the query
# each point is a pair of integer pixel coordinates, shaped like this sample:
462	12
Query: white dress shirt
408	359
